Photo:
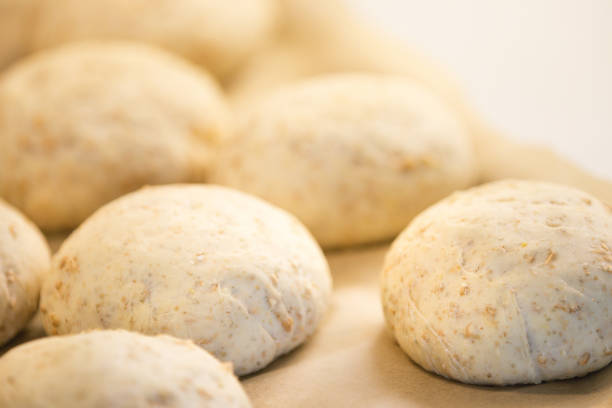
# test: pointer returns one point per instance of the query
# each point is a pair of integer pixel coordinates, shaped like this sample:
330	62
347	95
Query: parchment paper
353	362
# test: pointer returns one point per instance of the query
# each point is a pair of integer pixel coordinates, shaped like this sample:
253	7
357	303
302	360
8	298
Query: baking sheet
353	362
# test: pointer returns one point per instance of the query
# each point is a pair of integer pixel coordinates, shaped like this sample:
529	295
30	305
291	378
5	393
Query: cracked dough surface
353	156
85	123
24	260
506	283
241	278
116	369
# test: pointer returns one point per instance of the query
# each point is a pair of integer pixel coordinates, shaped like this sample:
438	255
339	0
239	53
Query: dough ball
16	18
355	157
214	33
86	123
116	369
24	259
506	283
241	278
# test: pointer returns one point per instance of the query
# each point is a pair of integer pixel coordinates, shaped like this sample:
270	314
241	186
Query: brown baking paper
353	362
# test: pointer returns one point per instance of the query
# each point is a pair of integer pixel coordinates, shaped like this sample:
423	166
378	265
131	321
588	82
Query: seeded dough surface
239	277
506	283
24	259
111	368
353	156
85	123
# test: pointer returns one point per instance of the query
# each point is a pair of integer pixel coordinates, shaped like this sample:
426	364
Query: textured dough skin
85	123
506	283
241	278
208	32
24	259
111	368
353	156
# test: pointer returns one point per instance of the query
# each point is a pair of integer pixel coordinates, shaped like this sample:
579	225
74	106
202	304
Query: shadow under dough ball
24	261
85	123
506	283
120	369
354	156
239	277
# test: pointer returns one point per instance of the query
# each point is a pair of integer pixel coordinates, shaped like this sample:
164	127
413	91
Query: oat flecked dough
506	283
354	156
119	369
239	277
24	259
85	123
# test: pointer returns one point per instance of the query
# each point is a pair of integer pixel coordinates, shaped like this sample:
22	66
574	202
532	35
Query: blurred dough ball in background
241	278
85	123
24	261
324	37
16	18
354	157
216	34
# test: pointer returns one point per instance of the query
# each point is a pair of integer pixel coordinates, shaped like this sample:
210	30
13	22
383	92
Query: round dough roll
241	278
24	260
85	123
355	157
506	283
116	369
212	33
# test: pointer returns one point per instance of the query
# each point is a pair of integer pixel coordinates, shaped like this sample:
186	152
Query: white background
540	70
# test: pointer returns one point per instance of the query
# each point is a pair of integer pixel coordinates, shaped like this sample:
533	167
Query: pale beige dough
354	157
239	277
24	260
216	34
116	369
85	123
506	283
16	18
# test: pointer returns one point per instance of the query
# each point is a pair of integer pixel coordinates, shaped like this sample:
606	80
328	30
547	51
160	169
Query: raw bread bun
506	283
116	369
15	22
355	157
214	33
86	123
323	37
24	260
239	277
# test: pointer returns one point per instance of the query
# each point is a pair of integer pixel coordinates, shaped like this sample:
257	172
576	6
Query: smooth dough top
214	33
24	260
88	122
354	156
116	369
506	283
239	277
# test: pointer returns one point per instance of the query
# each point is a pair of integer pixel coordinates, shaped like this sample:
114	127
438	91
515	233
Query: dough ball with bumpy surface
239	277
353	156
506	283
111	368
24	260
213	33
85	123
